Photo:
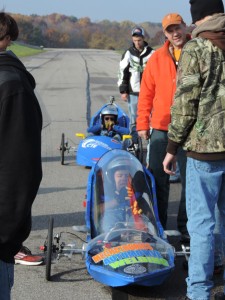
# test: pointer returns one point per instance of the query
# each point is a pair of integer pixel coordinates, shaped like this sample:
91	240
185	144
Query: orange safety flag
136	211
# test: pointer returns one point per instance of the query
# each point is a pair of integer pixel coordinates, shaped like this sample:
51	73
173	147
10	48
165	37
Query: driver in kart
121	195
116	200
119	204
108	124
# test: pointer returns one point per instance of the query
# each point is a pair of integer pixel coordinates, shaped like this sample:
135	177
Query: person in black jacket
20	153
131	67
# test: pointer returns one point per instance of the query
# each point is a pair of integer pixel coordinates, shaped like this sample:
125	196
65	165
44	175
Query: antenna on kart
112	99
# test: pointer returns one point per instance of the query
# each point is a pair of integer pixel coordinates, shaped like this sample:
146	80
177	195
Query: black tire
126	143
118	294
49	249
62	148
140	153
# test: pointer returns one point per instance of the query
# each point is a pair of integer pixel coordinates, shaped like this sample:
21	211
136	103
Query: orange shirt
157	91
177	53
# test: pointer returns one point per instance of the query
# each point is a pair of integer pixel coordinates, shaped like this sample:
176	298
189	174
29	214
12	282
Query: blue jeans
132	107
205	187
6	279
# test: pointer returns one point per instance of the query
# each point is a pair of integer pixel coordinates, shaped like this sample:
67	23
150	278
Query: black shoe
174	179
219	296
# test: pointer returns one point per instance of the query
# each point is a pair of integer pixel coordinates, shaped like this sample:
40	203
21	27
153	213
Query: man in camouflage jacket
199	110
198	124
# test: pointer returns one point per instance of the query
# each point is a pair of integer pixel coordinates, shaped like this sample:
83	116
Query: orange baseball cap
171	19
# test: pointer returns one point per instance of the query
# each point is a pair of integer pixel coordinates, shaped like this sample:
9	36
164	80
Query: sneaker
25	257
174	179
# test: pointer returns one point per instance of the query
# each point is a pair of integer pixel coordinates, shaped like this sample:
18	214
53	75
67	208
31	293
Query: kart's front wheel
49	249
62	148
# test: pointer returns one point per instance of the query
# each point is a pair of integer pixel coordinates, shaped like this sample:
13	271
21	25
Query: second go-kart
93	146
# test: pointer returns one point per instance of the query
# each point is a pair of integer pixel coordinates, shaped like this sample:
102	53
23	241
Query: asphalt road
71	86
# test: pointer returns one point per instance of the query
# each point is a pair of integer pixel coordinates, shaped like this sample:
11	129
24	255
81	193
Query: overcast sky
98	10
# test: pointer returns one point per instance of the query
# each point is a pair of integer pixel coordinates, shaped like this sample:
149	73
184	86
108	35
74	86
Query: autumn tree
58	30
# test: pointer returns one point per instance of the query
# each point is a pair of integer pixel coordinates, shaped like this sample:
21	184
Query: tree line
60	31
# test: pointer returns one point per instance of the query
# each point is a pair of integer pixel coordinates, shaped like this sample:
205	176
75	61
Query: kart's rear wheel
126	144
49	249
139	151
135	148
62	148
118	294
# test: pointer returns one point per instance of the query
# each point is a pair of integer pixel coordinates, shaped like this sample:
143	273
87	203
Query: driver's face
121	178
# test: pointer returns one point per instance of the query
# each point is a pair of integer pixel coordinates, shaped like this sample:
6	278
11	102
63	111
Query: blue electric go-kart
92	147
125	242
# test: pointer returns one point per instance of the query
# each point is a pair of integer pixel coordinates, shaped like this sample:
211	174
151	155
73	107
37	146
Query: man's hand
169	164
124	96
109	125
144	134
123	195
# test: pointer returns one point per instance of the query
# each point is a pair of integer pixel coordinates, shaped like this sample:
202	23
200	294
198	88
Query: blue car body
93	147
126	244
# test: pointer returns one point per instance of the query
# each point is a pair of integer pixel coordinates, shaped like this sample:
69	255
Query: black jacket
20	153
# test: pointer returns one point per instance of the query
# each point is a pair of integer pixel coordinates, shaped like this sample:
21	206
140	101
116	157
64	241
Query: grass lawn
22	50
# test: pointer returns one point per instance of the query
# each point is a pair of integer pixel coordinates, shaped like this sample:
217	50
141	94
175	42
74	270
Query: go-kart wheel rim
62	148
49	249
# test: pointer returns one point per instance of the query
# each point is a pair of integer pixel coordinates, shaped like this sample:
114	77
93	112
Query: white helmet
118	163
110	109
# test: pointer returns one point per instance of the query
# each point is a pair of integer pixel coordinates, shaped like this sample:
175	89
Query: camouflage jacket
198	113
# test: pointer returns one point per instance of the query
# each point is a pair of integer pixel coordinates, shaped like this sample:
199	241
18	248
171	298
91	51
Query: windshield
122	194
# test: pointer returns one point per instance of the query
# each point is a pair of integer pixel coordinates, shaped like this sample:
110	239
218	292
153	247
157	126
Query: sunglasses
109	118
